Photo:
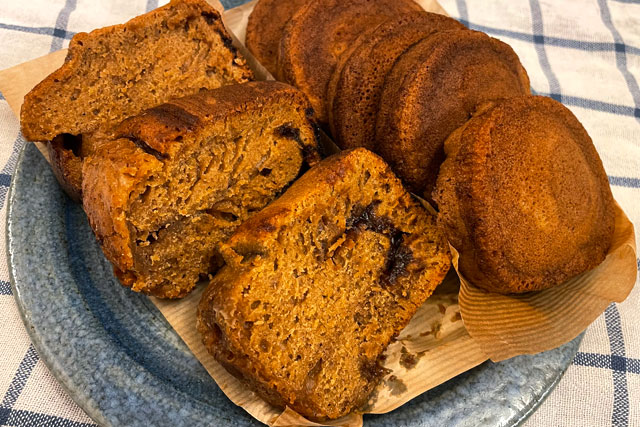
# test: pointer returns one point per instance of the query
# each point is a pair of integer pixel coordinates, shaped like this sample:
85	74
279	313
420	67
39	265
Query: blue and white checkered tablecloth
585	53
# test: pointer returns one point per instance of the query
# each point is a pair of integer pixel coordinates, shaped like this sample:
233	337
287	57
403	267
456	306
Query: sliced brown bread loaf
523	196
354	92
320	32
318	283
265	27
179	178
432	90
116	72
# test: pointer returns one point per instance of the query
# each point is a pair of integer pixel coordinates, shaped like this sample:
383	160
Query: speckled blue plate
124	365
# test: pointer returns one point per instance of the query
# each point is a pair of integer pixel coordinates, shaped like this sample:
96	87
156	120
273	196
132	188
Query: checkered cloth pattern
584	53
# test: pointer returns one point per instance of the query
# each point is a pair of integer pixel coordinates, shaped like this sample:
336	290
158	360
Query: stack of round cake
385	75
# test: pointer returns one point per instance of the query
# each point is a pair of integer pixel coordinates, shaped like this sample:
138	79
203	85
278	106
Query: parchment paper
458	328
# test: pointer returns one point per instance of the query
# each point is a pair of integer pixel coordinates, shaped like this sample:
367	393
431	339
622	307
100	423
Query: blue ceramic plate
124	365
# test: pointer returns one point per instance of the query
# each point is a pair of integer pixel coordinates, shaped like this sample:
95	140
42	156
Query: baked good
317	284
523	196
116	72
265	27
66	163
179	178
432	90
316	36
353	96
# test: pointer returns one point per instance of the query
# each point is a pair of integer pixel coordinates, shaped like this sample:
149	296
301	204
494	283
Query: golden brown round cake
265	27
524	197
320	32
355	88
432	90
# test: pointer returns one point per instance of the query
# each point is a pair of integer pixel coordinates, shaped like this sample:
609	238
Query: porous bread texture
178	179
319	33
318	283
523	196
432	90
265	27
116	72
353	95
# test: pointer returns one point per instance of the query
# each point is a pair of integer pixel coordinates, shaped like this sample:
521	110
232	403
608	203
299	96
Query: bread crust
66	166
141	147
432	90
266	26
356	85
524	197
318	34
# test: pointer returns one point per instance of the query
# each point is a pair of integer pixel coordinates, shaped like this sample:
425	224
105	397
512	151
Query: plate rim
44	354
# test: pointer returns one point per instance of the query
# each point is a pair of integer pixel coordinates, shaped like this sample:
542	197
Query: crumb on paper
407	360
395	385
436	330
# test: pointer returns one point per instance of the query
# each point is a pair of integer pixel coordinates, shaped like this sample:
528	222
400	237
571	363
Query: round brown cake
432	90
318	34
265	27
355	88
523	196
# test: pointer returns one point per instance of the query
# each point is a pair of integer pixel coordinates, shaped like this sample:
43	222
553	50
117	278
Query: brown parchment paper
445	337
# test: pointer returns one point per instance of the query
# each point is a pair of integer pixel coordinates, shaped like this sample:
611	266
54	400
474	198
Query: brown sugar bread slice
320	32
524	197
266	26
432	90
115	72
318	283
355	88
179	178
